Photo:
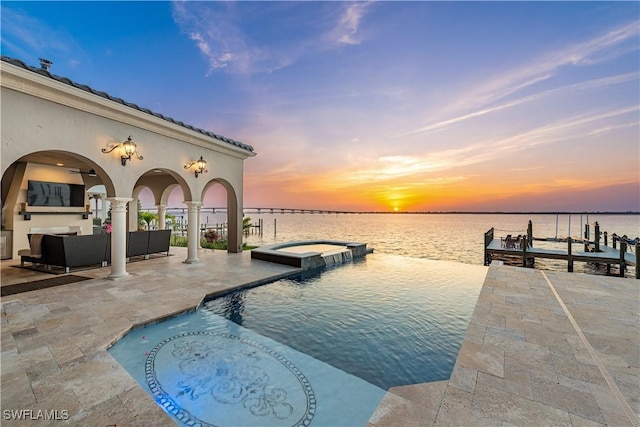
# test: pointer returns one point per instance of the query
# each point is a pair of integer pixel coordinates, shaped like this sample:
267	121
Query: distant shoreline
511	213
289	211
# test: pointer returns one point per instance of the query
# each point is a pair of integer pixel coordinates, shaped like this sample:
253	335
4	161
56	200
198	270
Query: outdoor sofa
68	251
145	243
92	249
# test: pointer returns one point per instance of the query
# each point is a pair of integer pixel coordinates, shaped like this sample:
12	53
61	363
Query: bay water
437	236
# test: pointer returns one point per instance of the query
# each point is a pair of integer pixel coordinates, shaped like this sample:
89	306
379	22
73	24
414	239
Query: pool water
322	248
389	320
319	350
204	370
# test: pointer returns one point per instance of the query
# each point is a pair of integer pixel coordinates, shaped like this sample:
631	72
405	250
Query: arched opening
99	205
152	192
47	192
221	202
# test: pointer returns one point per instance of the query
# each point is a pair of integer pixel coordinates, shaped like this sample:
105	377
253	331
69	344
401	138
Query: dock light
200	166
129	149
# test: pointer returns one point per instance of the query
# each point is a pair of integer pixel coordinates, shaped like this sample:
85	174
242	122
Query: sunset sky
376	106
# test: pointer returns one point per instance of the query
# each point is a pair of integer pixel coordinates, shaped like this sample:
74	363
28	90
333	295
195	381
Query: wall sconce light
128	150
200	165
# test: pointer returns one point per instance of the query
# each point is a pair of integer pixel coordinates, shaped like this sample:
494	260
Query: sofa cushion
84	250
138	243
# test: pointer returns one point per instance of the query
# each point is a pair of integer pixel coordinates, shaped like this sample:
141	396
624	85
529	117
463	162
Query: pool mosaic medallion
224	379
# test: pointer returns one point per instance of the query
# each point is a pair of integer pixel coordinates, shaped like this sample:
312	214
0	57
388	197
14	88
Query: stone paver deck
54	341
542	348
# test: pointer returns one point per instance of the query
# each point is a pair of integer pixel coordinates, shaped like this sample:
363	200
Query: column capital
161	206
119	203
192	204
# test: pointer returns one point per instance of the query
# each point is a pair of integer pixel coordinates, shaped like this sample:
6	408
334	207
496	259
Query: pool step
415	404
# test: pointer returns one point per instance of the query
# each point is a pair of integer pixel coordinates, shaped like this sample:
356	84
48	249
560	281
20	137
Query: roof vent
45	64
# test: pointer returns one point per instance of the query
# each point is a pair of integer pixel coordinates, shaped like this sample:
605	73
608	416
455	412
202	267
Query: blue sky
376	105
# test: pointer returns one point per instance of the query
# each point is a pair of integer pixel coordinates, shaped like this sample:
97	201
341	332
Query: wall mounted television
43	193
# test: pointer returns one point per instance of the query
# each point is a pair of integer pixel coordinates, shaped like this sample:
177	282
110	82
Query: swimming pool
389	320
319	350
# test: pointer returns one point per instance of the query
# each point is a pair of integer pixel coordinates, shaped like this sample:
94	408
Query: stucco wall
31	124
42	115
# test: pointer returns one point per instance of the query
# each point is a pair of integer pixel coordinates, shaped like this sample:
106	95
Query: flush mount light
128	150
200	166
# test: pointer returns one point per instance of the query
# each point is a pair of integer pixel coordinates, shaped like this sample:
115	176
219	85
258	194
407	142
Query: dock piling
587	236
623	249
637	260
496	247
488	238
569	257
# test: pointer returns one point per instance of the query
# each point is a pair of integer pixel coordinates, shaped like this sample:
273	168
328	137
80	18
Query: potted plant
210	236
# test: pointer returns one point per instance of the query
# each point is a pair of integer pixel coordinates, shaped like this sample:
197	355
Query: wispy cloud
544	66
347	28
603	47
219	31
588	85
212	27
610	128
389	168
33	39
571	128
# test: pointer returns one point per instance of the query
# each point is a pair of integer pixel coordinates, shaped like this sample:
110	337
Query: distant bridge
246	210
292	210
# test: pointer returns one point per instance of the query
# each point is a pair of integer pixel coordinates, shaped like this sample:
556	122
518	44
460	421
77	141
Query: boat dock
622	253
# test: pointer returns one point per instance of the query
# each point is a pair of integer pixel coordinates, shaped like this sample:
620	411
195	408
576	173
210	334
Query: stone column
193	235
103	206
162	213
118	236
199	225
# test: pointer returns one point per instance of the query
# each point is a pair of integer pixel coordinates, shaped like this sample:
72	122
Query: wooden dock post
530	233
637	260
586	237
569	258
623	249
604	255
488	238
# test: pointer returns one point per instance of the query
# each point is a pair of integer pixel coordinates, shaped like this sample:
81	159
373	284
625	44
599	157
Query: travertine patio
542	348
560	352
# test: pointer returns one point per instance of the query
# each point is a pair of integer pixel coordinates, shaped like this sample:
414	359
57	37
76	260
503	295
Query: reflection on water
233	307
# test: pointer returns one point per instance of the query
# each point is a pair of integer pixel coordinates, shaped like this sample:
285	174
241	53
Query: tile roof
105	95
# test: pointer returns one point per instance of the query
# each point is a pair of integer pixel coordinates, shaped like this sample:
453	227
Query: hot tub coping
305	260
